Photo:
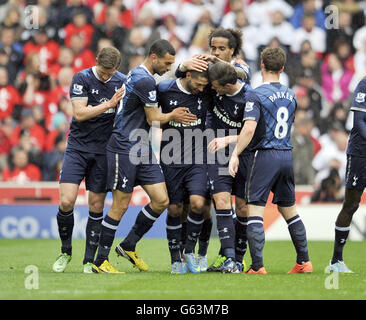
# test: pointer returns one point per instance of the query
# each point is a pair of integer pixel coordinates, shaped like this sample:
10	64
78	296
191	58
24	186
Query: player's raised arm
179	114
82	112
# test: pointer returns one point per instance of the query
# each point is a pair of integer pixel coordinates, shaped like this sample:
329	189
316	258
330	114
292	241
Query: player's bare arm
221	143
179	114
246	135
82	112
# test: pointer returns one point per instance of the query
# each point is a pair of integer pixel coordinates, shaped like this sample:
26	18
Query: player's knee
241	210
175	210
96	206
198	205
222	204
67	203
160	204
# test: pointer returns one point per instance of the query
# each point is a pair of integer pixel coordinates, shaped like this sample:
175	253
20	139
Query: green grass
159	284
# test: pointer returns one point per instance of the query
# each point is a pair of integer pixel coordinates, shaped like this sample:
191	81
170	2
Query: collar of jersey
142	66
180	86
94	69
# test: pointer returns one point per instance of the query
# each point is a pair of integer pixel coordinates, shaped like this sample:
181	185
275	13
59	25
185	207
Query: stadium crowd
37	66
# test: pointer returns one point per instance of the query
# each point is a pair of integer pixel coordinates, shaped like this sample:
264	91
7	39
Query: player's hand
217	144
233	165
196	63
182	115
117	97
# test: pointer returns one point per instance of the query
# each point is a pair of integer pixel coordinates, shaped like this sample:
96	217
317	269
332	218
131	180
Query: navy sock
144	221
183	236
298	236
240	238
204	238
65	222
108	230
92	234
173	233
341	235
194	227
225	228
256	238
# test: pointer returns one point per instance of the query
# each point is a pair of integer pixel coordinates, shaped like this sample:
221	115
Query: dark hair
273	59
196	74
234	37
161	47
109	58
223	72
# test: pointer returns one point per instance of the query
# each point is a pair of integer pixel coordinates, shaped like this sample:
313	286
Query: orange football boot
260	271
306	267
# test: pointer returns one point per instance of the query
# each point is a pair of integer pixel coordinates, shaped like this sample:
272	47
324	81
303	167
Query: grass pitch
159	284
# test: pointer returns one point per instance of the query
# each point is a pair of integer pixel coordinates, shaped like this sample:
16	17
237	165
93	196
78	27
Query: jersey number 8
282	126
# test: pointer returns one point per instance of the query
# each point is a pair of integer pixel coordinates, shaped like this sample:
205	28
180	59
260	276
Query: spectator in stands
260	11
5	145
250	39
344	31
228	20
83	57
47	49
53	160
12	20
303	152
65	15
6	63
335	81
80	26
9	97
307	7
278	28
13	49
125	15
20	170
110	29
332	155
65	60
309	31
35	155
35	131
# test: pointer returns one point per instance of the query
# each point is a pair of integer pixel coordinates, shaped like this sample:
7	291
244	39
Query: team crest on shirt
152	95
77	89
249	106
360	97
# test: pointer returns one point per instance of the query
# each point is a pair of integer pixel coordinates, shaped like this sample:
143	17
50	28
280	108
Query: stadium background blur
37	66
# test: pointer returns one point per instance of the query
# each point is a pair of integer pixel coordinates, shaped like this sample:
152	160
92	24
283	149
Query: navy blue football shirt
357	138
191	142
92	135
273	107
131	126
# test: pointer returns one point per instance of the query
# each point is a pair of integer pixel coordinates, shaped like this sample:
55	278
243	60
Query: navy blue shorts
221	181
356	173
271	170
78	165
124	175
184	181
241	175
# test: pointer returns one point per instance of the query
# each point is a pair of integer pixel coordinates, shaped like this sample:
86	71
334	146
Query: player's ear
282	69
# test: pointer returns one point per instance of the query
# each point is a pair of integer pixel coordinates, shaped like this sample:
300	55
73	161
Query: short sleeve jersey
356	143
273	107
171	95
92	135
131	126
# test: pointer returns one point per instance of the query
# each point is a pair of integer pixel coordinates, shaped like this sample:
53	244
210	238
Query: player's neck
183	82
235	88
148	65
270	77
